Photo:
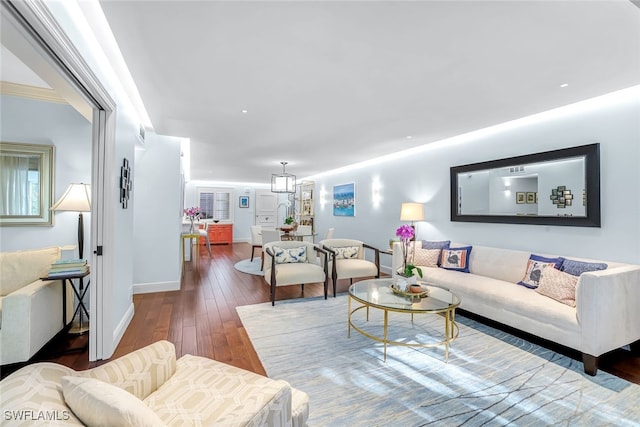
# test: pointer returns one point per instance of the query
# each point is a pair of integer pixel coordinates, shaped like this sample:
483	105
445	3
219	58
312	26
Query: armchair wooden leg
273	294
326	287
334	279
302	287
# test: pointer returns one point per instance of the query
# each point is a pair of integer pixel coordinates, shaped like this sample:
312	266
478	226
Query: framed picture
520	198
244	201
531	197
344	200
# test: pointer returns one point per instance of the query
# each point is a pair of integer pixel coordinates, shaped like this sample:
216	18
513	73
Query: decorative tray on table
405	292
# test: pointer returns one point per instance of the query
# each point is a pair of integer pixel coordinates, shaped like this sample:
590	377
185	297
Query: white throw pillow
426	257
346	252
290	255
558	285
97	403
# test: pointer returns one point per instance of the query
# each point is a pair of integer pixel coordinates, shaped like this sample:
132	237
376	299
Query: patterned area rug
249	267
492	378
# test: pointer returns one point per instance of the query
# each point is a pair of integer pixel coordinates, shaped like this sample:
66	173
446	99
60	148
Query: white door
266	208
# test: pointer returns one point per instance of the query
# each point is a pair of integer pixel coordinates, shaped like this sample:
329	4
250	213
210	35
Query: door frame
35	22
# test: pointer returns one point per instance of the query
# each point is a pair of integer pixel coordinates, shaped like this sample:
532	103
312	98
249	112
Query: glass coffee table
377	293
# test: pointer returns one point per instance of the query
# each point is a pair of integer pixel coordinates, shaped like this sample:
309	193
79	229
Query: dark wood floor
201	318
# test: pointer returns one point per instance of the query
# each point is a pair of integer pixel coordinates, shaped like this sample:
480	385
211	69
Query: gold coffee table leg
386	327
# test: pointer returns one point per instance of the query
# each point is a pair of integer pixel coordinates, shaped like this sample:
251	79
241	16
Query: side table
196	258
79	291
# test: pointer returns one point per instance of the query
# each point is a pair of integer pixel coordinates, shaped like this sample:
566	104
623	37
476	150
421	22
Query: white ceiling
327	84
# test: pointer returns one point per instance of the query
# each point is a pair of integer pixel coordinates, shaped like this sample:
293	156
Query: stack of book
66	267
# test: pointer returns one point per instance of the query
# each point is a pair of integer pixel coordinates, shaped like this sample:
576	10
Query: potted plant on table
406	233
192	213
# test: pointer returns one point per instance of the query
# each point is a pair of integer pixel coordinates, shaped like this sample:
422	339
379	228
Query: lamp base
79	328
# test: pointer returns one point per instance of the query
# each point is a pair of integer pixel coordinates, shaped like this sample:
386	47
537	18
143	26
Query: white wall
157	206
423	176
38	122
117	296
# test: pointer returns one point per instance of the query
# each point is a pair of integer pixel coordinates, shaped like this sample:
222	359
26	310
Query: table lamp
77	198
412	212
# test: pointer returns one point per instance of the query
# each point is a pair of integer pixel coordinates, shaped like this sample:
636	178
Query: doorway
40	43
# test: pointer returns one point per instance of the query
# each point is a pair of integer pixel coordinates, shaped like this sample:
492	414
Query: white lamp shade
412	212
77	198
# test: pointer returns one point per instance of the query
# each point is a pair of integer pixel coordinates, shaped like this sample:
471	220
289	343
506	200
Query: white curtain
14	188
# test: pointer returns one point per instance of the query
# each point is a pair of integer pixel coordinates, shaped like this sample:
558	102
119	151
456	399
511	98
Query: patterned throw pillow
535	267
559	286
576	268
427	244
347	252
290	255
426	257
455	259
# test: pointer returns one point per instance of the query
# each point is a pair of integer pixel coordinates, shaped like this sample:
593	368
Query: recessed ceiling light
244	111
409	136
564	85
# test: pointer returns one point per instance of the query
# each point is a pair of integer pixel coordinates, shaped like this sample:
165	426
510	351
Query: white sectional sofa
606	315
149	387
31	309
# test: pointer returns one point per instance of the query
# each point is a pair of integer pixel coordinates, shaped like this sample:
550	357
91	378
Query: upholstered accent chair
294	263
204	232
347	260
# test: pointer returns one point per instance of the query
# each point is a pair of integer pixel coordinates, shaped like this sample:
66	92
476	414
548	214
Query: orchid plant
192	213
406	233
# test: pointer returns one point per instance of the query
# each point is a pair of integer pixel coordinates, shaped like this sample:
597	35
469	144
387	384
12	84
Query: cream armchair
294	263
348	260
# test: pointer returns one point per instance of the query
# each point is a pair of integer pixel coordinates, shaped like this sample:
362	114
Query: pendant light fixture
283	182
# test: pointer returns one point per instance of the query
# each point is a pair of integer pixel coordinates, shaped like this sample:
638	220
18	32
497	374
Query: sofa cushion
346	252
558	285
97	403
456	258
535	267
290	255
18	269
35	388
576	268
426	257
207	392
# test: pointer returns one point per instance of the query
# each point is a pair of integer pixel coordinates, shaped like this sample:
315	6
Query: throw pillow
346	252
426	244
456	259
535	267
290	255
558	285
426	257
97	403
576	268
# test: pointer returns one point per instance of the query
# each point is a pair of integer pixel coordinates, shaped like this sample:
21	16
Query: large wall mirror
26	184
559	187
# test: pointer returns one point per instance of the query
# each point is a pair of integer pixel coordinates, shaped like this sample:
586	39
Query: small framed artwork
531	197
520	198
244	201
344	200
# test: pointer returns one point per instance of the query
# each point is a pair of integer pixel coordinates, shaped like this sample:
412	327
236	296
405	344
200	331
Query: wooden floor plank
201	318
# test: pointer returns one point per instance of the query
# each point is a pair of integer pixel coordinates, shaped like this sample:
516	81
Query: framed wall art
244	201
344	200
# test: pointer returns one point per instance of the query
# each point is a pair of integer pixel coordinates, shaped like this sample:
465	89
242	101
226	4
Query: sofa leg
590	364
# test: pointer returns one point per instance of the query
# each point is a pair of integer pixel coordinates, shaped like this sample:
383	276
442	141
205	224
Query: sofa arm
140	372
31	316
607	308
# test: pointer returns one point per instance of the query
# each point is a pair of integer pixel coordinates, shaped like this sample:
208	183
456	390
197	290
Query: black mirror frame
592	219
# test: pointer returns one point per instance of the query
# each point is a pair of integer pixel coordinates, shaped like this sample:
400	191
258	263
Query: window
215	203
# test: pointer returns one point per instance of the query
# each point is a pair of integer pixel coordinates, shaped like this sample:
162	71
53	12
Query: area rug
491	379
249	267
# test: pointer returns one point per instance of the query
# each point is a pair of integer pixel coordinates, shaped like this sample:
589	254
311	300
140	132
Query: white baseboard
146	288
123	324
